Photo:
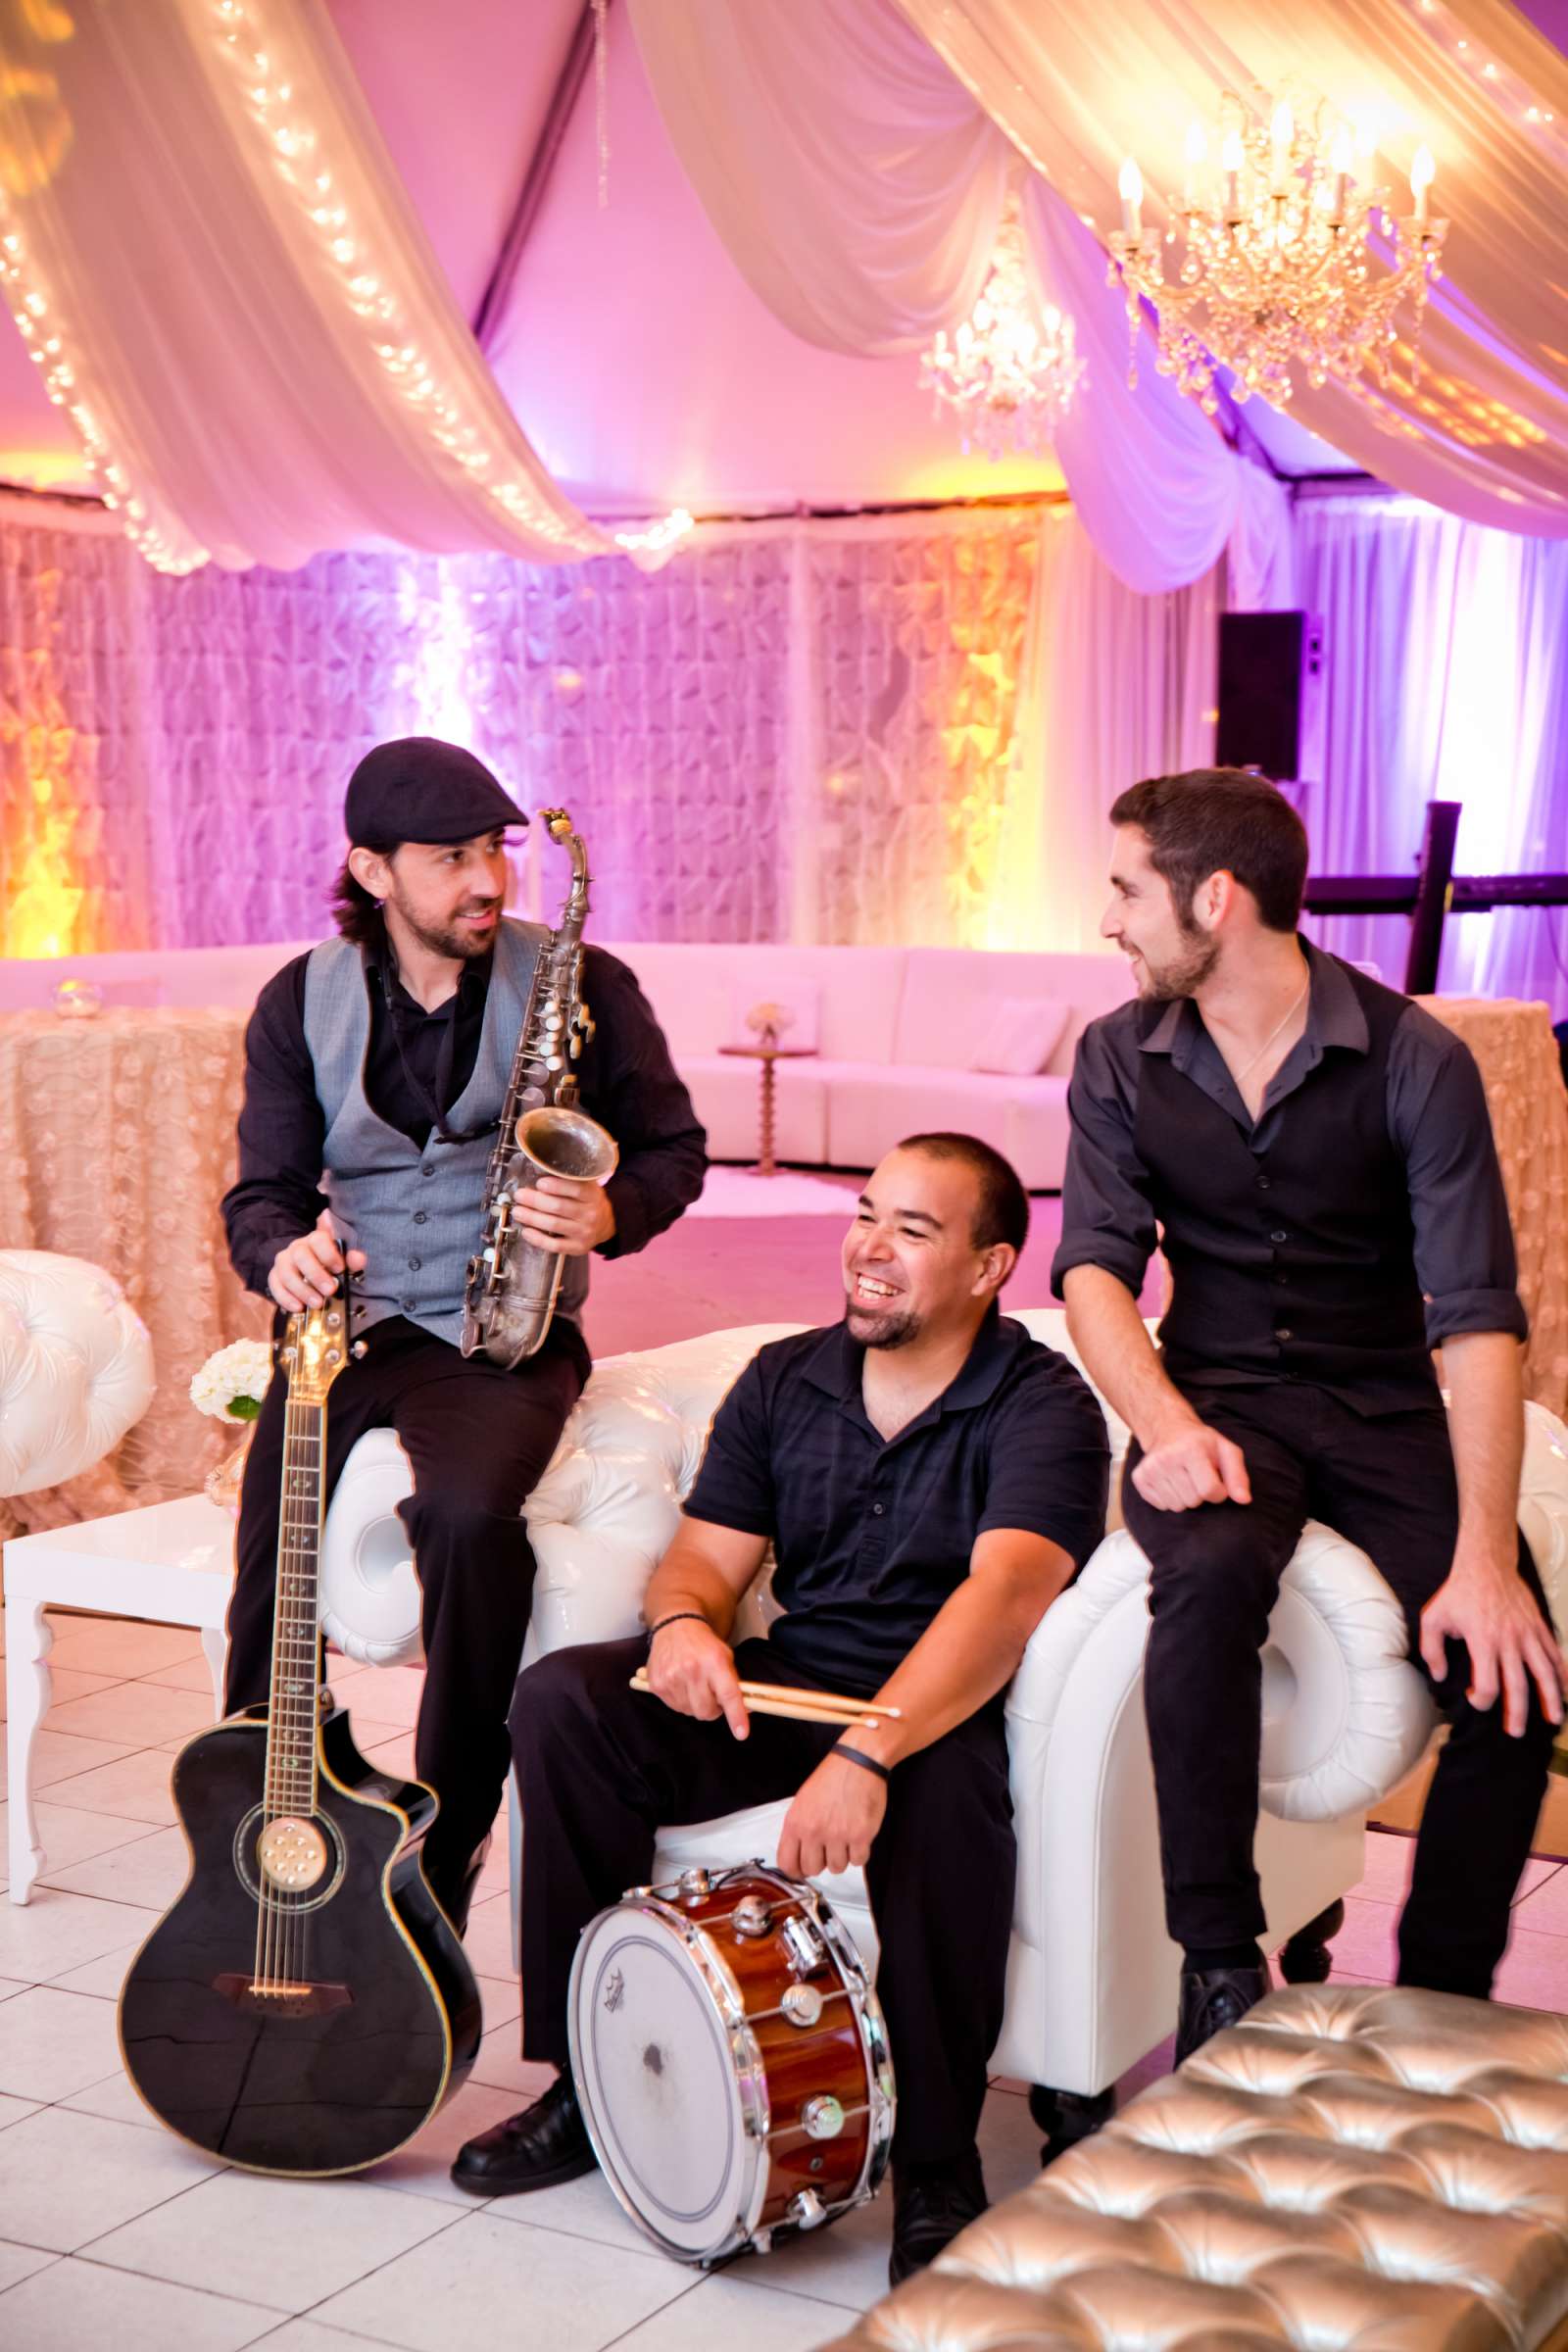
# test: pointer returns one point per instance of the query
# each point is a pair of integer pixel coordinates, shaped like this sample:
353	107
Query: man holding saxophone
376	1067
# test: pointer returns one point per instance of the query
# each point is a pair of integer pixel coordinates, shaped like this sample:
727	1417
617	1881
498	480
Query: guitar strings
280	1924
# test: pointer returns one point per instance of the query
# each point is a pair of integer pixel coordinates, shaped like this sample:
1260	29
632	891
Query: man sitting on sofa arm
931	1477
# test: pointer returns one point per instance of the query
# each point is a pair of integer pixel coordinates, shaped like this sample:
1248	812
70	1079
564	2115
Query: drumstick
791	1694
826	1699
842	1715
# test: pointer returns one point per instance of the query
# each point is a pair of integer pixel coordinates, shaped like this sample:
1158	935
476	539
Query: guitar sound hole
297	1862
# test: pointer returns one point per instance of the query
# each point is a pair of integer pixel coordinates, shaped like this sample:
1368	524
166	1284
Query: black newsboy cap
421	789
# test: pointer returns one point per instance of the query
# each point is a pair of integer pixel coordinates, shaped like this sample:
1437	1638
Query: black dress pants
599	1766
1387	1485
478	1439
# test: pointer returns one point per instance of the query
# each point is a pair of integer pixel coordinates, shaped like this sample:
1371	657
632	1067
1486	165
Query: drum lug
804	1945
805	2210
695	1885
753	1917
822	2116
801	2004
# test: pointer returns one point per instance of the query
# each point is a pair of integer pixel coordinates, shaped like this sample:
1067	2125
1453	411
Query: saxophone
512	1282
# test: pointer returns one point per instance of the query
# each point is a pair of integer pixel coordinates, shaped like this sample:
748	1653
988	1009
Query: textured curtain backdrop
1446	680
891	728
902	727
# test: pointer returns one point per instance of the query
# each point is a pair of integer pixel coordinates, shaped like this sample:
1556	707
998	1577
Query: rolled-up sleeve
1464	1239
1107	1219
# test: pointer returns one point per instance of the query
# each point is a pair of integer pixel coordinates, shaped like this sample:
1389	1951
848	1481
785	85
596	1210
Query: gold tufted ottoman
1373	2171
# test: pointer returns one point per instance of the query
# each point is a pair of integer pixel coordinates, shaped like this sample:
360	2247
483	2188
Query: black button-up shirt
872	1535
413	1058
1434	1110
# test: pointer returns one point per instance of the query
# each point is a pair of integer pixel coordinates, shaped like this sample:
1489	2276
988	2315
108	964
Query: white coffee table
172	1562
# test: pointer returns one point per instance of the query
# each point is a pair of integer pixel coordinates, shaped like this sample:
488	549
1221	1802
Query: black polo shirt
1359	1221
872	1535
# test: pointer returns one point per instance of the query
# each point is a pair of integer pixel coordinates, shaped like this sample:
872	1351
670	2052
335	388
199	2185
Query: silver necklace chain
1274	1033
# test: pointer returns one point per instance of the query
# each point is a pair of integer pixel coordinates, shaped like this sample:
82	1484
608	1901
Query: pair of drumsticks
801	1706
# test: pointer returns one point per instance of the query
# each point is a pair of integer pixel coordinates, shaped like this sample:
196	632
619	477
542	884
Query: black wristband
857	1755
674	1618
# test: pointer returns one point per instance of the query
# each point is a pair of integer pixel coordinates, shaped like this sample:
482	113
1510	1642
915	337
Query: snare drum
730	2059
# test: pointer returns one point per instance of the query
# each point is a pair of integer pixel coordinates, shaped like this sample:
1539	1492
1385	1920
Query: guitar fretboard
296	1669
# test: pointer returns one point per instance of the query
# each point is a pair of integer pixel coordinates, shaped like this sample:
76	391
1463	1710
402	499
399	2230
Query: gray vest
416	1213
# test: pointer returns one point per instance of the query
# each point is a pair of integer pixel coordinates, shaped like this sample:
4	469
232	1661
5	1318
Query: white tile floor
113	2233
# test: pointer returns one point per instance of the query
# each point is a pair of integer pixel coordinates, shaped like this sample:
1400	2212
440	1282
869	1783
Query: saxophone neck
558	825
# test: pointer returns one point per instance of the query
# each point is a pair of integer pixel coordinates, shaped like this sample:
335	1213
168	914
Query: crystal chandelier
1010	372
1276	270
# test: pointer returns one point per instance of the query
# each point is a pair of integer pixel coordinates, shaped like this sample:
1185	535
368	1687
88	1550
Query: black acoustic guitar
305	2006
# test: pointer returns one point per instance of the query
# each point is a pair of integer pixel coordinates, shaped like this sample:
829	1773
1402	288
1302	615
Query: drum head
660	2089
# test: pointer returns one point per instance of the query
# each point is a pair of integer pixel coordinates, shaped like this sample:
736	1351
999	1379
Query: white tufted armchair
1092	1978
76	1368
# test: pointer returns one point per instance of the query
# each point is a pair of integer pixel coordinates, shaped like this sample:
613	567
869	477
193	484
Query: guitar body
315	2031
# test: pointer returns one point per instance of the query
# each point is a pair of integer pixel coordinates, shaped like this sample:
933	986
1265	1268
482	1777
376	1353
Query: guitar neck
291	1765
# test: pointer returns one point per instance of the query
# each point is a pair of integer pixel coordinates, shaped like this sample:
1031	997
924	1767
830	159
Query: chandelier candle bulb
1231	158
1423	171
1282	137
1197	156
1130	187
1342	157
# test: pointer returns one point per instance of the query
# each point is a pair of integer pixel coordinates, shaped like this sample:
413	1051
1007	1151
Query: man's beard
888	1331
461	946
1184	975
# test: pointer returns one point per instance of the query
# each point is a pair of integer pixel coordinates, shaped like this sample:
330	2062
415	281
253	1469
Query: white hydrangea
242	1370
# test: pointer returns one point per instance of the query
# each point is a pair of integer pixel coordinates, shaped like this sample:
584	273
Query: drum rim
750	2079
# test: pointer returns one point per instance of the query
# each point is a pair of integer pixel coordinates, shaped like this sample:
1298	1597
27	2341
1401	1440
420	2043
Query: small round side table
768	1055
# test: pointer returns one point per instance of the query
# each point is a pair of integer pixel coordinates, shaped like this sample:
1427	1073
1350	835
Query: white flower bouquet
230	1385
770	1021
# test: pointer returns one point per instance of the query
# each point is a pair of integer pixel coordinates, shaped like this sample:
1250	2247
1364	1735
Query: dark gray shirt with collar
1452	1223
872	1535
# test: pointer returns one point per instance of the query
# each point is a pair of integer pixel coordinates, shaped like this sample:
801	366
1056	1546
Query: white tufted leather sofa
1347	2170
1091	1984
76	1368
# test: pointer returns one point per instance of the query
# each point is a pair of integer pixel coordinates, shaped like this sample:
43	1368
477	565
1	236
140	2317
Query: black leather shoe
1213	1998
544	2145
931	2204
453	1889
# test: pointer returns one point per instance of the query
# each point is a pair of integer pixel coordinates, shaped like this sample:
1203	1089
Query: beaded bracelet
674	1618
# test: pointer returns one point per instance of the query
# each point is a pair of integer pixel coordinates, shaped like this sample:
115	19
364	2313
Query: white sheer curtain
236	301
1446	680
1114	687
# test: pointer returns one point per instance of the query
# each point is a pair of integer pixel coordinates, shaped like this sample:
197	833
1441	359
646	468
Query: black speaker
1270	680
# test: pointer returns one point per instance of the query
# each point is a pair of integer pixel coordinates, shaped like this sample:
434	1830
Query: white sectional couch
895	1031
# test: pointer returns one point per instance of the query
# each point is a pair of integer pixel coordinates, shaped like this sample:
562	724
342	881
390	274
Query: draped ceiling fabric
765	101
262	345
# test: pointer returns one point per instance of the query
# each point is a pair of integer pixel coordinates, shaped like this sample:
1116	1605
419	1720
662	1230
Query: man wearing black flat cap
375	1069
